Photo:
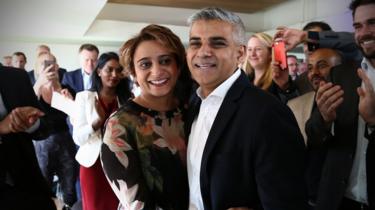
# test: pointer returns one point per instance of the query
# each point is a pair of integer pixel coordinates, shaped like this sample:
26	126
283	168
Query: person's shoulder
11	72
257	95
72	73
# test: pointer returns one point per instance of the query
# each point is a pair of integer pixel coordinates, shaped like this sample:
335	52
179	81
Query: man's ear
241	54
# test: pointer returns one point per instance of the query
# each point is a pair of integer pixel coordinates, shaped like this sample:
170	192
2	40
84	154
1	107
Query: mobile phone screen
48	63
279	54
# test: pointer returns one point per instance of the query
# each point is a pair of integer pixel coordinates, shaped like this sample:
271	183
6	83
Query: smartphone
48	63
279	53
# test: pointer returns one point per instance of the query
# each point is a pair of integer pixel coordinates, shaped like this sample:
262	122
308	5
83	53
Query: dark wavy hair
123	89
356	3
168	39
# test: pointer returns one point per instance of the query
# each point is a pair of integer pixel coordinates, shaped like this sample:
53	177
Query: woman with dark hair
144	148
109	90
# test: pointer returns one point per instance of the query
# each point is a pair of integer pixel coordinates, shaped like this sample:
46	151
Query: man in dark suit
245	149
79	80
344	123
22	185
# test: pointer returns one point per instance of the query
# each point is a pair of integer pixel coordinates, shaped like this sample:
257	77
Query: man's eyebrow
321	62
217	38
194	38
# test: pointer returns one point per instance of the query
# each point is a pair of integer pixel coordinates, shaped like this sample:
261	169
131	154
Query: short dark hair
323	25
20	54
356	3
89	47
123	89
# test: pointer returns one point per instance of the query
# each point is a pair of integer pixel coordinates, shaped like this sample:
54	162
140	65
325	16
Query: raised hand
291	37
328	98
20	119
366	107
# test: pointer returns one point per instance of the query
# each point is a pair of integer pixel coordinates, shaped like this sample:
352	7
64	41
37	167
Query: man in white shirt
245	149
344	123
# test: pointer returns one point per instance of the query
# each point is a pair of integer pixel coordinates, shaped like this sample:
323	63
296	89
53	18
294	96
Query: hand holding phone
47	63
279	53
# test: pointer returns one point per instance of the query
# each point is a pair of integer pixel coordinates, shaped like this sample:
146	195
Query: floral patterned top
143	157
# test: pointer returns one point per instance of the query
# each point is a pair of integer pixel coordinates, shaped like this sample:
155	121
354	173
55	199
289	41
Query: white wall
106	33
66	54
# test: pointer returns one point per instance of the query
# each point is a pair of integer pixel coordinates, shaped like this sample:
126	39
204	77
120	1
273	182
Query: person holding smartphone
56	153
264	70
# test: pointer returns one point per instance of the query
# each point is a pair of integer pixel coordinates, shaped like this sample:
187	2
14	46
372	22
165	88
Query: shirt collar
366	65
84	73
223	88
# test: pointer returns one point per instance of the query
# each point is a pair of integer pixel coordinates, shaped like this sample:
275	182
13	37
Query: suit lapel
79	80
223	118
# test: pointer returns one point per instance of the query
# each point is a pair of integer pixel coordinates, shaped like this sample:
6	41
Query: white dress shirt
357	186
86	80
200	130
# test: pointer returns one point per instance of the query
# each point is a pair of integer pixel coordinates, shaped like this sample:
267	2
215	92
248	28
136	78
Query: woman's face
110	74
156	70
258	54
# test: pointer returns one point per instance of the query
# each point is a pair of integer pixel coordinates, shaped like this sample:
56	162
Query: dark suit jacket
17	155
341	147
254	155
74	81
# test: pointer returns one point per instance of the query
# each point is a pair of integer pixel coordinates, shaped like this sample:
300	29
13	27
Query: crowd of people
217	125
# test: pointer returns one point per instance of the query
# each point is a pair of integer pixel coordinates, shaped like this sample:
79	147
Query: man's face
19	61
212	54
292	65
364	26
320	63
88	60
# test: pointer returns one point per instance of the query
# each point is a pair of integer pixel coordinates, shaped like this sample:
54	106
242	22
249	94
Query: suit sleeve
27	94
341	41
280	161
316	131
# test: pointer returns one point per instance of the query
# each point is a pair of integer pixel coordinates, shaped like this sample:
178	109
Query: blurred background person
43	49
293	65
263	73
19	60
108	92
79	79
7	61
56	153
